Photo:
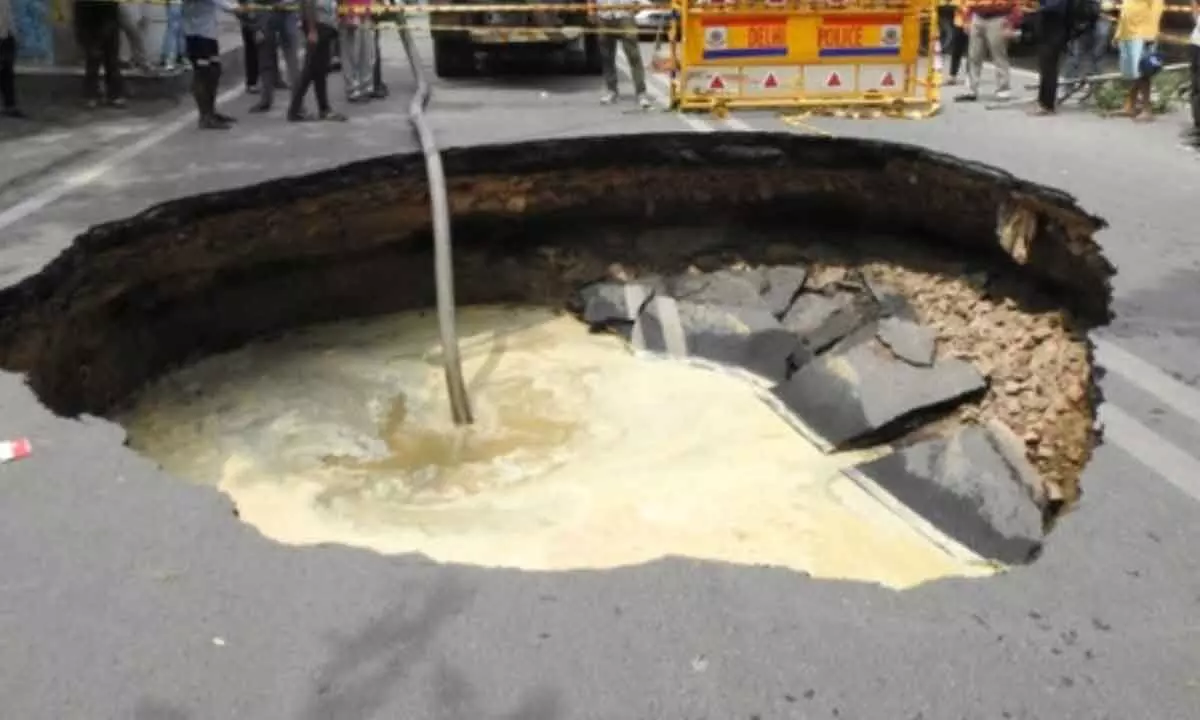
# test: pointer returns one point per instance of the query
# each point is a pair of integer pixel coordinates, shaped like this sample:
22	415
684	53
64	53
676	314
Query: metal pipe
443	259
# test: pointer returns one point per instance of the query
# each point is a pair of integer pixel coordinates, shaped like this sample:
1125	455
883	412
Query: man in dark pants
98	28
250	46
8	62
320	22
1054	26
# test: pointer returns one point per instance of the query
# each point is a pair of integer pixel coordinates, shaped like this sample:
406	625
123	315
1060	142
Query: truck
461	37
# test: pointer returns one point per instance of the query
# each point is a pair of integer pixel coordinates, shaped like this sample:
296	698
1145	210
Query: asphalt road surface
125	593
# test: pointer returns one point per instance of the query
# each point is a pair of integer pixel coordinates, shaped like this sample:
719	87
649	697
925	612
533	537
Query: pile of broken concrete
851	365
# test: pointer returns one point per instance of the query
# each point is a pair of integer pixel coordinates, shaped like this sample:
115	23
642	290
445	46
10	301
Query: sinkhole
851	358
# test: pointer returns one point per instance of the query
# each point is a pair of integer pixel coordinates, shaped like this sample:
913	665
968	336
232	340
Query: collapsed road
195	614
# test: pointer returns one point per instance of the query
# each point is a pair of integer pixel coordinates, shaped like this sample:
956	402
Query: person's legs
166	49
8	79
1053	39
288	39
266	26
205	57
1100	43
1130	58
325	37
995	31
129	20
300	87
958	49
608	59
110	54
976	46
629	44
250	53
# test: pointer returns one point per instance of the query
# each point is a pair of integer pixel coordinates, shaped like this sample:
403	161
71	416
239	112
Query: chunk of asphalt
1045	495
609	302
784	283
749	338
821	320
734	288
844	396
908	340
891	302
966	487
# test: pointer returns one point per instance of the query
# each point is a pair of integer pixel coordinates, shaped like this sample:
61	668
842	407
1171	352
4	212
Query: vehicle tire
588	61
592	64
453	57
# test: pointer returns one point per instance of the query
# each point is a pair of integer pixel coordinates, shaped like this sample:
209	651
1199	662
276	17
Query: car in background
654	16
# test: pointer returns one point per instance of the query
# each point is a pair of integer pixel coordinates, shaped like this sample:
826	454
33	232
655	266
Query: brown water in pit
582	456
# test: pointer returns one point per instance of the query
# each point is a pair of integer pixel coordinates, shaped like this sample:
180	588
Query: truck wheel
453	58
590	63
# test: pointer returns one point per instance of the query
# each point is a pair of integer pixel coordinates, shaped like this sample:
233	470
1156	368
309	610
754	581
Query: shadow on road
369	664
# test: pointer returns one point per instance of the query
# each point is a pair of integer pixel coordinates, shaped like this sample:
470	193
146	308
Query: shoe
356	97
608	98
644	101
380	92
212	122
297	117
225	118
967	97
117	102
950	81
252	89
91	104
282	85
169	67
1003	95
14	112
1040	110
259	108
331	116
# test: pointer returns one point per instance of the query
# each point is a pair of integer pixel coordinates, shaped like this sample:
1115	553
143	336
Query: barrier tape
717	6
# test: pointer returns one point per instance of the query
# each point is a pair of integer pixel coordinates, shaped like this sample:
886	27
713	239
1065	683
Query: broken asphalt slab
845	396
966	486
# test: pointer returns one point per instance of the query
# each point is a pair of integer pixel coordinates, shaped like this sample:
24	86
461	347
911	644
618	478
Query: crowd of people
1081	30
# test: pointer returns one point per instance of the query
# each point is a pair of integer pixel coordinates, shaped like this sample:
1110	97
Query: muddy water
583	456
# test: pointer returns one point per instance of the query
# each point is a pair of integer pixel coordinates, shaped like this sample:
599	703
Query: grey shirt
200	17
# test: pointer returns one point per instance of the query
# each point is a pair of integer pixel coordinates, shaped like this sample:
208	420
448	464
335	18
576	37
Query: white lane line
1148	448
1142	443
61	188
1179	396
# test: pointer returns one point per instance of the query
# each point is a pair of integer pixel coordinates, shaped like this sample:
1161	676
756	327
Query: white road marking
1180	397
81	178
1146	446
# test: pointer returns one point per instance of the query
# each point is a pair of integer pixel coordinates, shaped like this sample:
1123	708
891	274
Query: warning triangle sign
833	81
769	82
887	81
716	83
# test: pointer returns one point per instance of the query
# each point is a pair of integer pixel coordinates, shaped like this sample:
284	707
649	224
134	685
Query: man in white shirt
8	61
617	26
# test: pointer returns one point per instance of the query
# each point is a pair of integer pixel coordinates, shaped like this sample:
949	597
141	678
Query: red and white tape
14	450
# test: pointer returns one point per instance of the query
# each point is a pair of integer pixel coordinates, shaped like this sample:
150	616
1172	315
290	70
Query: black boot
214	86
204	89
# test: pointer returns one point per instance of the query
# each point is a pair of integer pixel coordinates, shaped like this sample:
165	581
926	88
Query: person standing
251	35
990	26
171	52
1054	24
320	23
1137	31
8	62
1086	50
272	32
201	28
617	27
354	38
97	28
131	21
953	37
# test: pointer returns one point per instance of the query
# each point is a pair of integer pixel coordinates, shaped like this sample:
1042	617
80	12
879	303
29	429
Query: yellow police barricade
805	54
